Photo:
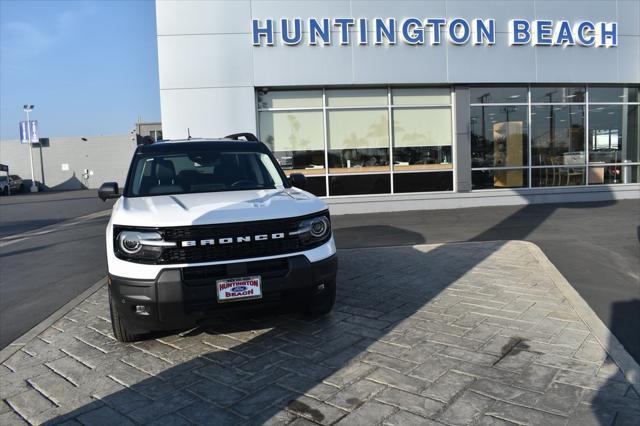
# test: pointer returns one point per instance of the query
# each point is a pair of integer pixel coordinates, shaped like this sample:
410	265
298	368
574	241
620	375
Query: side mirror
108	190
298	180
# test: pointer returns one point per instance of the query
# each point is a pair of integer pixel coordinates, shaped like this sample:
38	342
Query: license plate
234	289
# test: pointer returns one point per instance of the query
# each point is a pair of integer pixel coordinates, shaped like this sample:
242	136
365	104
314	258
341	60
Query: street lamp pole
28	109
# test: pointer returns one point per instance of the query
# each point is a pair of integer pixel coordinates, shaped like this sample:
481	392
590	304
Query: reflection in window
424	96
501	95
499	136
489	179
558	176
422	182
600	175
289	99
613	94
296	139
358	140
317	185
357	97
558	94
557	135
422	138
360	184
613	133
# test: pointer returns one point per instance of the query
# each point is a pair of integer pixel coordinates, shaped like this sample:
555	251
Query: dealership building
395	105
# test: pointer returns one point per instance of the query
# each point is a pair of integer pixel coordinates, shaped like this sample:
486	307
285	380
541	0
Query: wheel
21	189
5	190
121	330
322	303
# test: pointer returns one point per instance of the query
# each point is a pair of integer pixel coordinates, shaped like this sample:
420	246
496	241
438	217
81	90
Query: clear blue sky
89	67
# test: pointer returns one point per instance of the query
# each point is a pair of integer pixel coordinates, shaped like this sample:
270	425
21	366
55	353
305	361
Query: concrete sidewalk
482	333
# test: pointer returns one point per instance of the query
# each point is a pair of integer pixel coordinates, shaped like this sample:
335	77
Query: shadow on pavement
302	355
610	404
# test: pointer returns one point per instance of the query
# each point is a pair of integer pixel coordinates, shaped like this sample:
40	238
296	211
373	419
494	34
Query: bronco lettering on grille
230	240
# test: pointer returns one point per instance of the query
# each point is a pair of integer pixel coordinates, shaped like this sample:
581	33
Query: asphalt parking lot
471	333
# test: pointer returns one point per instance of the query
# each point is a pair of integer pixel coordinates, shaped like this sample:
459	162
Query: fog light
141	310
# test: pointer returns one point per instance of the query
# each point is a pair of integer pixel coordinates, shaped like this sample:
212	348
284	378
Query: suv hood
214	207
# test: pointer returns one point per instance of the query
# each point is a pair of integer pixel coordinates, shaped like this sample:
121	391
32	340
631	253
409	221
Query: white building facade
395	105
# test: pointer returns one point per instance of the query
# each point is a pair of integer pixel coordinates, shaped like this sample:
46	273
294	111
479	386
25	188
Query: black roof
194	145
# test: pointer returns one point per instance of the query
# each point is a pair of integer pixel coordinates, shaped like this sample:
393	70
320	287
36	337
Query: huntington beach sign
430	31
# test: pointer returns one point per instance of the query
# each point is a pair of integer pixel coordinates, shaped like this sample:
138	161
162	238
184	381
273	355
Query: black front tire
21	189
321	303
5	191
121	330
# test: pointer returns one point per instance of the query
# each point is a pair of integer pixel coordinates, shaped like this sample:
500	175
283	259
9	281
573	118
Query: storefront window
501	178
558	94
424	96
613	94
360	184
613	134
499	136
558	176
499	95
296	139
358	141
422	182
422	139
557	142
289	99
605	174
357	98
359	127
557	135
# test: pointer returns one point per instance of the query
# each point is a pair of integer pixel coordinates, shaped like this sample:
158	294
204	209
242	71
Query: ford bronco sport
206	226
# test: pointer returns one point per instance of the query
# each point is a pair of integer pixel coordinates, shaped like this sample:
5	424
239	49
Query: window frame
390	108
586	105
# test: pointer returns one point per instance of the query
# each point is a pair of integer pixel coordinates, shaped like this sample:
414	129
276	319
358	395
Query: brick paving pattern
454	334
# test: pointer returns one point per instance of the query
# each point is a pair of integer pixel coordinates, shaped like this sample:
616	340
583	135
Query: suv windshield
205	170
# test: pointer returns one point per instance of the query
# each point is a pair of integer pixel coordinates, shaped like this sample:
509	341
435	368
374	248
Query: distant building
75	162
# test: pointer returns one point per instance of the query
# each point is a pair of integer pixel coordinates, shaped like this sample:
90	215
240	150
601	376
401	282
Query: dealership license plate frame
239	281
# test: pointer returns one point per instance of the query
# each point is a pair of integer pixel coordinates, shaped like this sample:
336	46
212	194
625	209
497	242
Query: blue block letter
520	32
297	32
344	24
608	32
385	30
259	32
436	24
454	35
316	30
484	31
413	31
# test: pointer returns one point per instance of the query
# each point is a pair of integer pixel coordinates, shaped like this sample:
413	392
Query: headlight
313	231
320	226
140	246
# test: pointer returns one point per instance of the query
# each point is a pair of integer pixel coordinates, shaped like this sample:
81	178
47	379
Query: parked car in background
4	185
11	184
16	184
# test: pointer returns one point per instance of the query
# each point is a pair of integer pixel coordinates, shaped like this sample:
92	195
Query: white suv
207	226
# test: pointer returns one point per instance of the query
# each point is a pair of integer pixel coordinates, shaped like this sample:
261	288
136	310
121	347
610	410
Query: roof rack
248	136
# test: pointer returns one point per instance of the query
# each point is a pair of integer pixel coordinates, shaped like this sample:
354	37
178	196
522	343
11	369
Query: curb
17	344
600	331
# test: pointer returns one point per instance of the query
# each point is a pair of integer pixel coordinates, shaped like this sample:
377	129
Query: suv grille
234	250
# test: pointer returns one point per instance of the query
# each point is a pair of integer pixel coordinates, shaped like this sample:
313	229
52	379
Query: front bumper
181	297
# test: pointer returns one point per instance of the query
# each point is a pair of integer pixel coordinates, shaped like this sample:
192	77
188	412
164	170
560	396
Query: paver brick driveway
451	334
